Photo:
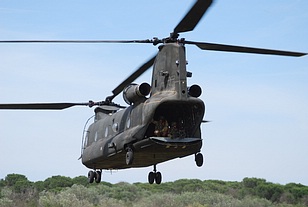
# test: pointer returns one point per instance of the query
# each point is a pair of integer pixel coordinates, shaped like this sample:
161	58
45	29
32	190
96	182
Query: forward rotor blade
133	77
41	106
193	16
75	41
233	48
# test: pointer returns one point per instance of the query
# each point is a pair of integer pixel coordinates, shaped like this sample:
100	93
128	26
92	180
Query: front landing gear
94	175
129	158
155	176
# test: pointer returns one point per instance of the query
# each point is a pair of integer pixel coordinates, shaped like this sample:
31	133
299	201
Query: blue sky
257	103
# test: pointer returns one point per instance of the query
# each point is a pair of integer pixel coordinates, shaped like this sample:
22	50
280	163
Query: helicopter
162	120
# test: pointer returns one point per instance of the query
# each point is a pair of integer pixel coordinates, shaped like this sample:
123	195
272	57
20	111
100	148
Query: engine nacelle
134	93
194	91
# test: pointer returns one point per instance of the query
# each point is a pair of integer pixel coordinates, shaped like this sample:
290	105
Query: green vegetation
58	191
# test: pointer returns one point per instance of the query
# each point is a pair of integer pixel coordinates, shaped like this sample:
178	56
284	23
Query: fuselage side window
128	123
115	127
106	132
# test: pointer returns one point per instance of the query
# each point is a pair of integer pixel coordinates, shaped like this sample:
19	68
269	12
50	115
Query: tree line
58	191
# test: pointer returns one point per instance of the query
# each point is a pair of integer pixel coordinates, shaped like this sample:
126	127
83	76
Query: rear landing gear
199	159
94	175
155	176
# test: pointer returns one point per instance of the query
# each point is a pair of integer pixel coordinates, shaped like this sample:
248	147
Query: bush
17	190
56	183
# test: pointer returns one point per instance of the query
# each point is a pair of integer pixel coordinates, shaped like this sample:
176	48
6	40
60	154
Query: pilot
161	127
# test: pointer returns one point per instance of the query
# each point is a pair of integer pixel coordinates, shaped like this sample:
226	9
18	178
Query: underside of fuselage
151	151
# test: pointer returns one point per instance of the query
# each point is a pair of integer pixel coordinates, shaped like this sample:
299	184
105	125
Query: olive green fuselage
113	132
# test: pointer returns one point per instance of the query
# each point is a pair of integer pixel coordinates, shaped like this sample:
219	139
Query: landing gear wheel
151	177
158	178
154	176
91	176
98	176
199	159
129	156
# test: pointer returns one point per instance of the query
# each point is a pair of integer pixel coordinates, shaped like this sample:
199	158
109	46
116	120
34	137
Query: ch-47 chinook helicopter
162	120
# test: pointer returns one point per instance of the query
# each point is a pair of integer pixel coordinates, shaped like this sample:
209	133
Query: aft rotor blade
193	16
233	48
133	76
75	41
41	106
